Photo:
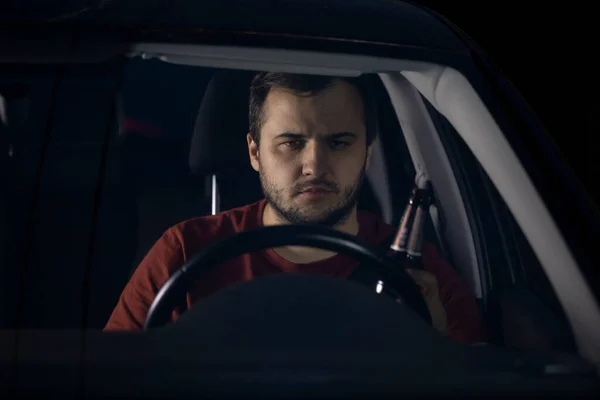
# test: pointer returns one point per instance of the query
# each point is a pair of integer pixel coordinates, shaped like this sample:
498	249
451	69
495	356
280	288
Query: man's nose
314	159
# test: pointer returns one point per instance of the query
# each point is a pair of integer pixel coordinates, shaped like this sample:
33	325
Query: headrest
219	140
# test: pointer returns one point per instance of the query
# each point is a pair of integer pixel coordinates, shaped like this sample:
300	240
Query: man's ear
253	152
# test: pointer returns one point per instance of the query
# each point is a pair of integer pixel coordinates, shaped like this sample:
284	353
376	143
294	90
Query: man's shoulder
207	228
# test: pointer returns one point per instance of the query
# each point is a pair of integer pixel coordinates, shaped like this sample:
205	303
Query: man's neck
305	255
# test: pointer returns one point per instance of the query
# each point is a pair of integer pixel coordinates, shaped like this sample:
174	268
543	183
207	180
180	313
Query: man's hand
429	290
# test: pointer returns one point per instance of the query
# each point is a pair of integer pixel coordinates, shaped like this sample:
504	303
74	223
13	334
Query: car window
95	162
520	305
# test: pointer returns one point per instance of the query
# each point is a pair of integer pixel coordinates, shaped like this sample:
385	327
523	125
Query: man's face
312	154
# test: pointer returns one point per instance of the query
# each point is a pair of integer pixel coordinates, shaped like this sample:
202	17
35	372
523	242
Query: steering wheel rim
170	294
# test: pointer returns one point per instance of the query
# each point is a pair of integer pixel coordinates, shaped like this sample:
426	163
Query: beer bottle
415	240
398	246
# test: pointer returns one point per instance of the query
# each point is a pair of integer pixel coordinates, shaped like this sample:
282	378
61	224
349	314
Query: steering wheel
170	295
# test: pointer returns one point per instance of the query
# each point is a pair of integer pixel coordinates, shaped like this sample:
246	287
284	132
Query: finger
421	281
423	277
412	272
417	274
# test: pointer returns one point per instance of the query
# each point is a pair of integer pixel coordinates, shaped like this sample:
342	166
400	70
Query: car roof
371	21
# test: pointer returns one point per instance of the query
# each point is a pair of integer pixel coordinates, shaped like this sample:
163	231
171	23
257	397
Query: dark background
550	53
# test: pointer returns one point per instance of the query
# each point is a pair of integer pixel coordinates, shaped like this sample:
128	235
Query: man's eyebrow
341	135
336	135
289	135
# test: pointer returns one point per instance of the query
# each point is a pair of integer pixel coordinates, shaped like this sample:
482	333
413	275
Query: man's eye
338	144
293	144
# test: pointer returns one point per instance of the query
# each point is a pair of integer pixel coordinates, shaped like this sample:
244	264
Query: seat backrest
165	190
160	102
219	146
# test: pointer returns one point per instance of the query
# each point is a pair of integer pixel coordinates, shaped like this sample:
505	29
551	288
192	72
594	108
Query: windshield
117	173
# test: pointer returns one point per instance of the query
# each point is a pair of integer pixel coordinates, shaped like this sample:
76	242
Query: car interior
168	149
98	160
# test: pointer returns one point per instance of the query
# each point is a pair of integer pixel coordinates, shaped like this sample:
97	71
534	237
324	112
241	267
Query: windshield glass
118	173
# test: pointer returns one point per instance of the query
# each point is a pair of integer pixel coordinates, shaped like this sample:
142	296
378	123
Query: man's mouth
316	189
316	192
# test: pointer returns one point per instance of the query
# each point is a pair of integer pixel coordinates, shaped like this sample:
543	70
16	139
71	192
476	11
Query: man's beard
331	215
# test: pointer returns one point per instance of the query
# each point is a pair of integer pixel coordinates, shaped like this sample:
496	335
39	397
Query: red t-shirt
183	240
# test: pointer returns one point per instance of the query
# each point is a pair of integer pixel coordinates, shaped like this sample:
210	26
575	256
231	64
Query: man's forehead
340	93
337	108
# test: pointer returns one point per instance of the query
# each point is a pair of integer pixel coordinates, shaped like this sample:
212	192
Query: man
310	142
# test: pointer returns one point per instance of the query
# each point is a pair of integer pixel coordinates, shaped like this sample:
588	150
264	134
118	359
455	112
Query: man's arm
464	322
163	258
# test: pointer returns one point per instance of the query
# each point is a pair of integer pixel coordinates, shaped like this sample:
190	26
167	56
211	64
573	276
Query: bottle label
416	236
402	236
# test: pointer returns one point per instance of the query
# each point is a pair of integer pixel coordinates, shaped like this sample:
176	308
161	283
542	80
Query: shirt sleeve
132	308
465	323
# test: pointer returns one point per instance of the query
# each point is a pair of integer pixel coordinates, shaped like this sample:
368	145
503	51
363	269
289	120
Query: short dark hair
307	85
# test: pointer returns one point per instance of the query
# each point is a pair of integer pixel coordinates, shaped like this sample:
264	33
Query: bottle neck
401	239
